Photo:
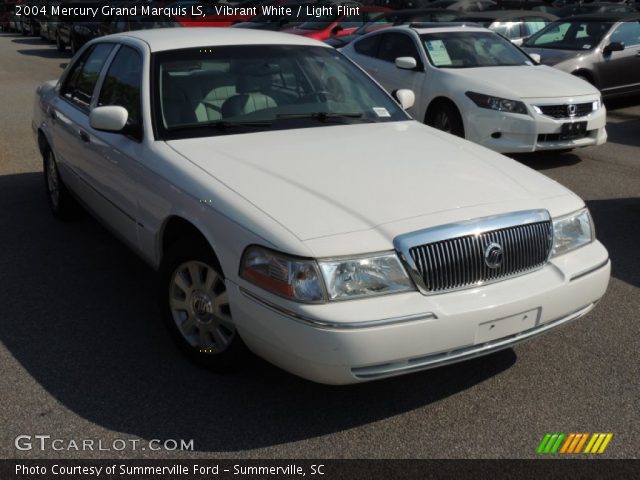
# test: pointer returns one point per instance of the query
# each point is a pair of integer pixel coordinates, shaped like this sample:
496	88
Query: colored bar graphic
573	443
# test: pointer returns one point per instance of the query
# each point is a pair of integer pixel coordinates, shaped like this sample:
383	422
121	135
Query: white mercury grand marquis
291	206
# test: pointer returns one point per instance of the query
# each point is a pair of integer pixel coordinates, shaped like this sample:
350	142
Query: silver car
602	49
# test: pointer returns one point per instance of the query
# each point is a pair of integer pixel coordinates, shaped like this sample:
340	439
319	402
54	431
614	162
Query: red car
326	26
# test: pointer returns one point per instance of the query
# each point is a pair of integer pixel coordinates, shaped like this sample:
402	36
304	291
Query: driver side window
627	33
123	83
394	45
79	85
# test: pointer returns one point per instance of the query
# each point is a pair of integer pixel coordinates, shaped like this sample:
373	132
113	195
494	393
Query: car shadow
44	53
617	224
29	41
79	314
546	160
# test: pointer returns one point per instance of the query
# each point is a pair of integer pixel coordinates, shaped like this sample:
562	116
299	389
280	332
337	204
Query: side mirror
406	98
406	63
337	29
535	57
109	119
613	47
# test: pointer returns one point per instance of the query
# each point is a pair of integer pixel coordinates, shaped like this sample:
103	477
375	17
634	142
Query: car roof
162	39
439	29
604	17
497	14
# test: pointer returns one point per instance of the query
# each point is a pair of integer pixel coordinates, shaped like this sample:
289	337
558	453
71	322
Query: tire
60	46
195	307
446	117
62	204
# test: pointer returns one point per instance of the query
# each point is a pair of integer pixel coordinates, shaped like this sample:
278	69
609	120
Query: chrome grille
561	111
454	255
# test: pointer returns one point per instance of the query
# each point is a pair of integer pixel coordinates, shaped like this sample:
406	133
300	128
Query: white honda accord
475	84
291	206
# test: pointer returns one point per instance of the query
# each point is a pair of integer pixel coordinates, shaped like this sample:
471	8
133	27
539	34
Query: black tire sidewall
457	126
183	251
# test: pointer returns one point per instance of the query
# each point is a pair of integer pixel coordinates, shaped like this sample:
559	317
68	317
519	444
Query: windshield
471	49
265	87
570	35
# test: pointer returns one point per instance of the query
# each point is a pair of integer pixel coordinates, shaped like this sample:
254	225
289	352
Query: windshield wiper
321	116
220	125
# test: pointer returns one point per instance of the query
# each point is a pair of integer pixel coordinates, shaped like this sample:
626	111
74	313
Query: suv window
394	45
123	82
627	33
79	84
368	46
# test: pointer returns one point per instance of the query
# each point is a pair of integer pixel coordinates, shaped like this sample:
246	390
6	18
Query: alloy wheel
442	122
199	304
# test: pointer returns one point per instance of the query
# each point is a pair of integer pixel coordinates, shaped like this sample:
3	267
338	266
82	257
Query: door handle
84	136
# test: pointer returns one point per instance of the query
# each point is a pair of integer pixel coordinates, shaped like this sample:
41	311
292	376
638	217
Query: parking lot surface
83	354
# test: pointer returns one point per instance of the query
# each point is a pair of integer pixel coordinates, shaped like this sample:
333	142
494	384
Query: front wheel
195	306
446	117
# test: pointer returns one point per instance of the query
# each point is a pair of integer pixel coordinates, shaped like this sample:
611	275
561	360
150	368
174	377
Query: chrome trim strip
590	270
477	226
314	322
454	356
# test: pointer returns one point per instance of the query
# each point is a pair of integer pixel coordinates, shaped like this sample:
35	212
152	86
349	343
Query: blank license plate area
573	130
505	327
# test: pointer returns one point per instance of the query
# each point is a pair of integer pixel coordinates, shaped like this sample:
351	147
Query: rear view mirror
406	63
535	57
108	119
613	47
406	98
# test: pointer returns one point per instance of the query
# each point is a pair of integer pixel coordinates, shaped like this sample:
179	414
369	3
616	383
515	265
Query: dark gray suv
604	49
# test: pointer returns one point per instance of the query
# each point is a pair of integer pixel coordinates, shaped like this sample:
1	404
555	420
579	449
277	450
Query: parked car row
456	67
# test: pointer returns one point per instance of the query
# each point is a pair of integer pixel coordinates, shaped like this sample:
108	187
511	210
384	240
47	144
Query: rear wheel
60	200
195	306
446	117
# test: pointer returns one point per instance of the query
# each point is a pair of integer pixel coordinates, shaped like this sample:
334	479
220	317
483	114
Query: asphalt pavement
84	356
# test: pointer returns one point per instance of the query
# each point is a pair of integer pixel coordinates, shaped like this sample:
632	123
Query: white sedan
292	207
475	84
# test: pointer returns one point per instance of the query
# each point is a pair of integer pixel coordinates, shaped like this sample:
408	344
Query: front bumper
515	133
408	332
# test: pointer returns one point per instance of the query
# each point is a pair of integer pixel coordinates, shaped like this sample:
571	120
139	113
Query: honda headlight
497	103
364	276
571	232
290	277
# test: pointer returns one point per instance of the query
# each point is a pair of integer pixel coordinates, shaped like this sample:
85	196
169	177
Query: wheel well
437	102
176	229
43	144
586	74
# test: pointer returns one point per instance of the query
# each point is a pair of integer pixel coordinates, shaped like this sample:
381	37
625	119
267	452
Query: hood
537	81
551	56
331	180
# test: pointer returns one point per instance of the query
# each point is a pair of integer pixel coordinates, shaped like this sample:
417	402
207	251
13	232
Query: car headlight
597	104
571	232
290	277
497	103
365	276
301	279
